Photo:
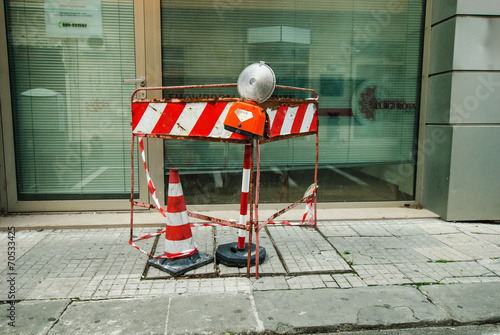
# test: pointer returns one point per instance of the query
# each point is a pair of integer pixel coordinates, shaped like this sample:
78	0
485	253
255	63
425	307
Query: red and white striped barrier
245	188
206	119
288	120
178	236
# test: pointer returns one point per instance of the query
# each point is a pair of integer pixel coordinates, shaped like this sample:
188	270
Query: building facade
407	89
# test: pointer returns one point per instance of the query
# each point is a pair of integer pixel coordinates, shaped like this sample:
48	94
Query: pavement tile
369	228
381	274
467	302
32	317
470	280
305	282
436	272
431	247
443	254
212	314
491	264
469	245
270	283
490	238
490	229
331	229
404	229
376	250
342	281
117	316
437	227
334	309
305	250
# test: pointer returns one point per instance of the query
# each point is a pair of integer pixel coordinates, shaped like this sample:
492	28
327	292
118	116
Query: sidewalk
347	275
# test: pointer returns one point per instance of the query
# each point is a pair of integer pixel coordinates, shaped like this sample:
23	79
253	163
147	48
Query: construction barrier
203	119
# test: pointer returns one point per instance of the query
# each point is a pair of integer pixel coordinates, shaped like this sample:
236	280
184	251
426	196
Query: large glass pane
71	108
363	59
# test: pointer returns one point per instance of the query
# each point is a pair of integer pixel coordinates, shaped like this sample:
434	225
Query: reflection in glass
362	57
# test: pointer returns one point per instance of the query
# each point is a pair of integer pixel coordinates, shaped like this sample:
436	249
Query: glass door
69	104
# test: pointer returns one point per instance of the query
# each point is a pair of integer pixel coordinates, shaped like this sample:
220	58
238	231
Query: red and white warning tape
151	186
132	243
309	206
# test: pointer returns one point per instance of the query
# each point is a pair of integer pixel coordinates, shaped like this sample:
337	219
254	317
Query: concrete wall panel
477	46
474	184
464	97
477	7
442	47
438	98
444	9
436	152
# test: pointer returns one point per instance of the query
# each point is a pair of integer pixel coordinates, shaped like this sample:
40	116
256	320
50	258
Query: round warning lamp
256	82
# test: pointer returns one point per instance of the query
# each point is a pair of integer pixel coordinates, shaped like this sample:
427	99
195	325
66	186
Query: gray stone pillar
461	148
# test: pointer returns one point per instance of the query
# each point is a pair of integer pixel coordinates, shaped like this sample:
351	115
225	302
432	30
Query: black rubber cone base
179	266
229	254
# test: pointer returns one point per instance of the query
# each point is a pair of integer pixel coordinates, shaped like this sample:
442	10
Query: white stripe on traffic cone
178	237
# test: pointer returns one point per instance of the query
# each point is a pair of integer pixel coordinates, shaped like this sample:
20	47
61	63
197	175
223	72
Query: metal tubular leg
315	200
245	187
252	194
257	189
132	190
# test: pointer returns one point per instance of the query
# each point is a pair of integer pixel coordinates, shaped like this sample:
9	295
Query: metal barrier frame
253	223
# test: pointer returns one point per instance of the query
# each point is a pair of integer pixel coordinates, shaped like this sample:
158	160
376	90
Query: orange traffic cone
181	252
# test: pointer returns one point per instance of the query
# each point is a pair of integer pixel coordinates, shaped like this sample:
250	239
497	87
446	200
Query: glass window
71	109
363	59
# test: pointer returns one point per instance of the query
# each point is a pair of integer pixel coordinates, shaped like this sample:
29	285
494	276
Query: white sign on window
73	18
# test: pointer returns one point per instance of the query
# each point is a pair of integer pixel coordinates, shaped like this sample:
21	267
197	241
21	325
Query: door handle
141	81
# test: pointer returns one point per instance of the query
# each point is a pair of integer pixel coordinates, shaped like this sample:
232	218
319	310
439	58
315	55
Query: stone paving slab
381	274
304	250
491	264
436	227
429	272
32	317
434	249
212	314
124	316
336	228
470	246
369	228
23	240
490	238
332	310
467	302
74	254
479	228
376	250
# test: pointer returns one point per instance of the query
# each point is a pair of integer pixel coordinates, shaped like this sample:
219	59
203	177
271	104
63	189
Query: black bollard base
179	266
229	254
